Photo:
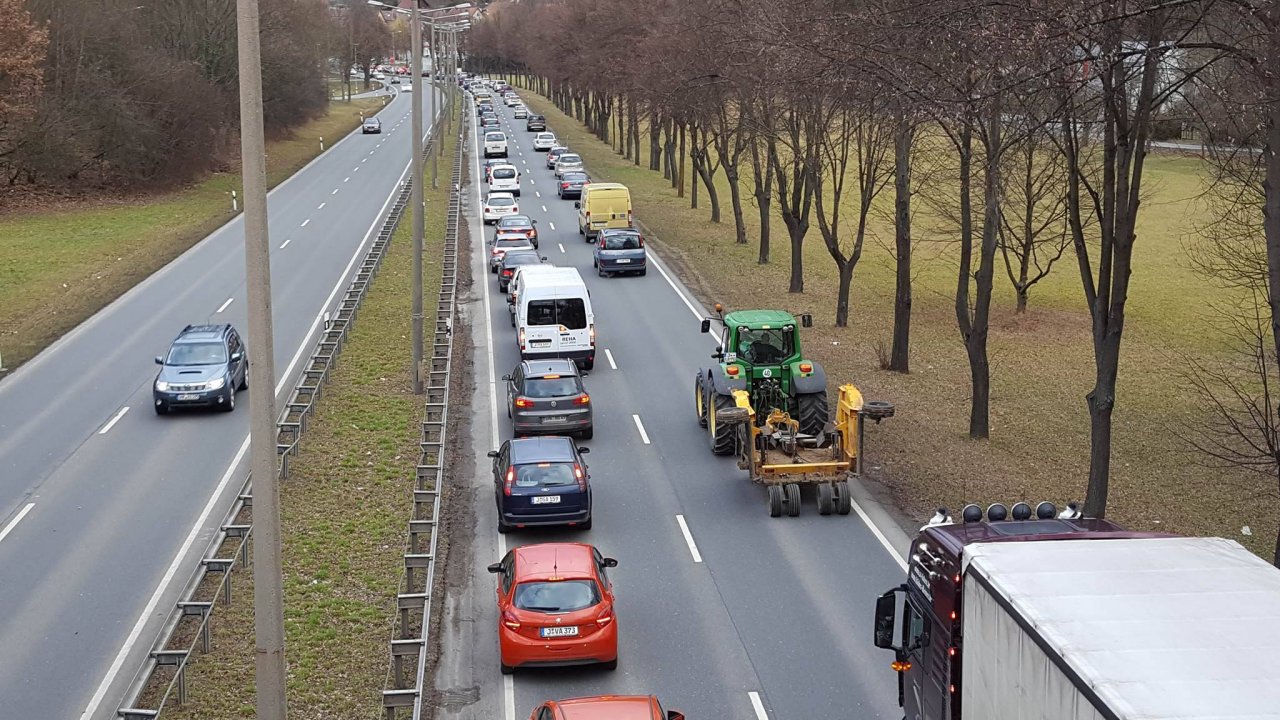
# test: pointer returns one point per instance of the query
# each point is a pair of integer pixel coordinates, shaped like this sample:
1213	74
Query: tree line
1024	126
136	92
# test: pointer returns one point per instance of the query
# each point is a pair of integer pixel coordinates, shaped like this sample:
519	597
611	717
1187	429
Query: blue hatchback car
541	481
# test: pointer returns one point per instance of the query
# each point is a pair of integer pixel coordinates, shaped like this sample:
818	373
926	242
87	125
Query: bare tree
1033	231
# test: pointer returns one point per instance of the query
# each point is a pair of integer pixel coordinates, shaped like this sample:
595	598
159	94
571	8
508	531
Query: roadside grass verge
1042	364
345	512
61	265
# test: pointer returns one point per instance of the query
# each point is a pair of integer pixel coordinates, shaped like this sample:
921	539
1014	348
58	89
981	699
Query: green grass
1042	364
345	512
59	266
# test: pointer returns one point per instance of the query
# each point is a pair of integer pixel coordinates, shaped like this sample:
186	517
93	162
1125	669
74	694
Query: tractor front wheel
699	401
813	413
721	433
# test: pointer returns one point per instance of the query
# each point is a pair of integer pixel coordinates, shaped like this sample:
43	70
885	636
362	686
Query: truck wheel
699	401
793	499
813	413
844	503
721	434
775	501
826	499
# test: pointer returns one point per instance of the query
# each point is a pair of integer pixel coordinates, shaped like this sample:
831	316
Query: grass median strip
345	510
1041	360
60	265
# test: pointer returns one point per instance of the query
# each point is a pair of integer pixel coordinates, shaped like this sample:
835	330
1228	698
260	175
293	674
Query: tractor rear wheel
813	413
721	433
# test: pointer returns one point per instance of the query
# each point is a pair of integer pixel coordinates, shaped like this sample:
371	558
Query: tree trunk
634	137
1101	400
735	199
696	159
680	176
655	141
1022	291
709	179
845	270
762	175
899	355
980	414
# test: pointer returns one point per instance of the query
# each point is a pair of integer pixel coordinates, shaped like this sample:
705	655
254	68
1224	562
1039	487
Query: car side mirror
609	562
543	258
577	204
159	360
535	222
492	453
235	357
495	568
706	325
675	715
806	320
506	377
886	618
584	450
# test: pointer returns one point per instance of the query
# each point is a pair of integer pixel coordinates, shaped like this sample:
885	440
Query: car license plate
546	499
622	261
567	631
188	396
554	419
540	342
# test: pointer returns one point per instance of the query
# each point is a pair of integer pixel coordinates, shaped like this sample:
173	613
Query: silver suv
205	367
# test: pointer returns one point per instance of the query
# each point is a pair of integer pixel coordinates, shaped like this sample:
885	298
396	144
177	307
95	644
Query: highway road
105	506
723	612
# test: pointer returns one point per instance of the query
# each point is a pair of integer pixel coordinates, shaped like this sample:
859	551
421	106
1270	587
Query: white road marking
285	244
321	206
99	695
552	225
640	426
609	356
672	283
345	179
757	705
16	519
688	539
535	192
544	208
356	170
226	304
335	191
305	222
364	160
114	419
893	552
560	244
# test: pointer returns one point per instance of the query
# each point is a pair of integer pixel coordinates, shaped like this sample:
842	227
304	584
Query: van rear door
557	327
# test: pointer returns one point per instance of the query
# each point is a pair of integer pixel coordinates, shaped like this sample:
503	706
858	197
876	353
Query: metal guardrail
198	597
413	603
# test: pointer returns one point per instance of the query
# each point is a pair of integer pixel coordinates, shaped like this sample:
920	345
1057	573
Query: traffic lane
59	398
789	542
672	593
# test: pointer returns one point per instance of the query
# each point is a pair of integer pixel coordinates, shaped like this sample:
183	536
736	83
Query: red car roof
608	707
554	560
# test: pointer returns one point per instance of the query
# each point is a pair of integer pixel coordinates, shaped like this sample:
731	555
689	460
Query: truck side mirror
806	320
886	617
706	325
577	204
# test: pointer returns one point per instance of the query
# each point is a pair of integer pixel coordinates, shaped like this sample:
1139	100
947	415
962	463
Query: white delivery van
554	317
495	144
517	280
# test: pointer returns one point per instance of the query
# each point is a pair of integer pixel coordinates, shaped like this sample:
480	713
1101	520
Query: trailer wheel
844	503
699	401
793	499
826	499
721	433
813	413
775	501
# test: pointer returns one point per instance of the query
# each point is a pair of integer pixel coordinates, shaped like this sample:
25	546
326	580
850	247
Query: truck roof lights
997	512
1021	511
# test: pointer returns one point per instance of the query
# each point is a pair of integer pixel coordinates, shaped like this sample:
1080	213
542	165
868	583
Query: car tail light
506	273
510	620
641	239
531	233
508	481
496	251
523	402
564	185
591	332
521	339
629	221
587	214
581	478
584	400
606	617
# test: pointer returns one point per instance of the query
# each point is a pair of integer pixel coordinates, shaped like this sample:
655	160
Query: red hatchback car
555	606
605	707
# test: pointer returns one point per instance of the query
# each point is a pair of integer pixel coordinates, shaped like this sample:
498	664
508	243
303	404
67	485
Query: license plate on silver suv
546	499
188	397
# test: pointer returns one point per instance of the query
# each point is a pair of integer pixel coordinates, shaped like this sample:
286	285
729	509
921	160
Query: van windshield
570	312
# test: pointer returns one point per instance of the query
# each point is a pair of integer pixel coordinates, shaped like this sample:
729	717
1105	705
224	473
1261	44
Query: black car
205	367
571	183
512	260
520	224
541	481
547	396
535	123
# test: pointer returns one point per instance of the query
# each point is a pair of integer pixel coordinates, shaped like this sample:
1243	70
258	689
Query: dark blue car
541	481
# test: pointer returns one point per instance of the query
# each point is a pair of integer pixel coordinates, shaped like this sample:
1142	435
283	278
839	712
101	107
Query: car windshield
197	354
764	346
575	177
501	202
569	312
504	173
549	387
515	221
562	596
621	241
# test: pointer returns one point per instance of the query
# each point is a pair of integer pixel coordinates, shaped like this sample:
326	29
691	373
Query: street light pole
268	574
418	219
435	107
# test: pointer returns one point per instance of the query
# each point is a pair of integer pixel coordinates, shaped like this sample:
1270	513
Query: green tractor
759	352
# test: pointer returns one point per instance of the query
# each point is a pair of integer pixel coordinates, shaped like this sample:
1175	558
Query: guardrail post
203	610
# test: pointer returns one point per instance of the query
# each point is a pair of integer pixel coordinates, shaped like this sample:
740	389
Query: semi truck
1022	614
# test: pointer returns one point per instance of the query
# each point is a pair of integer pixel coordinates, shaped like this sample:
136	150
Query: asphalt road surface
105	506
724	612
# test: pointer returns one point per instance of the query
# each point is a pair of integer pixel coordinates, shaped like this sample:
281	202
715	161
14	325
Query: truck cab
920	620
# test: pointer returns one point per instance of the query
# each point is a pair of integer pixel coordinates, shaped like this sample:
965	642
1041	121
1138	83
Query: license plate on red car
567	631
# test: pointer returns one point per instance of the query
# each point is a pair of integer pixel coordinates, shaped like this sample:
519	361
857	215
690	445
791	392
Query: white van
517	280
505	178
554	318
495	144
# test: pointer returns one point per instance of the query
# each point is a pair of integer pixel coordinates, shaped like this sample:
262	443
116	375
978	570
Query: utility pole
435	106
268	574
415	54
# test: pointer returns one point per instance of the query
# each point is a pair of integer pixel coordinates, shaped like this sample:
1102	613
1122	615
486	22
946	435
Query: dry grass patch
1042	362
60	265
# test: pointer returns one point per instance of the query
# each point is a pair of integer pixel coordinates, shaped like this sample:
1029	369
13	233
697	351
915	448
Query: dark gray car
547	397
205	366
571	183
619	250
512	260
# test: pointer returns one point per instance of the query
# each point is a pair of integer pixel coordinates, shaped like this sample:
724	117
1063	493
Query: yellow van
603	205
